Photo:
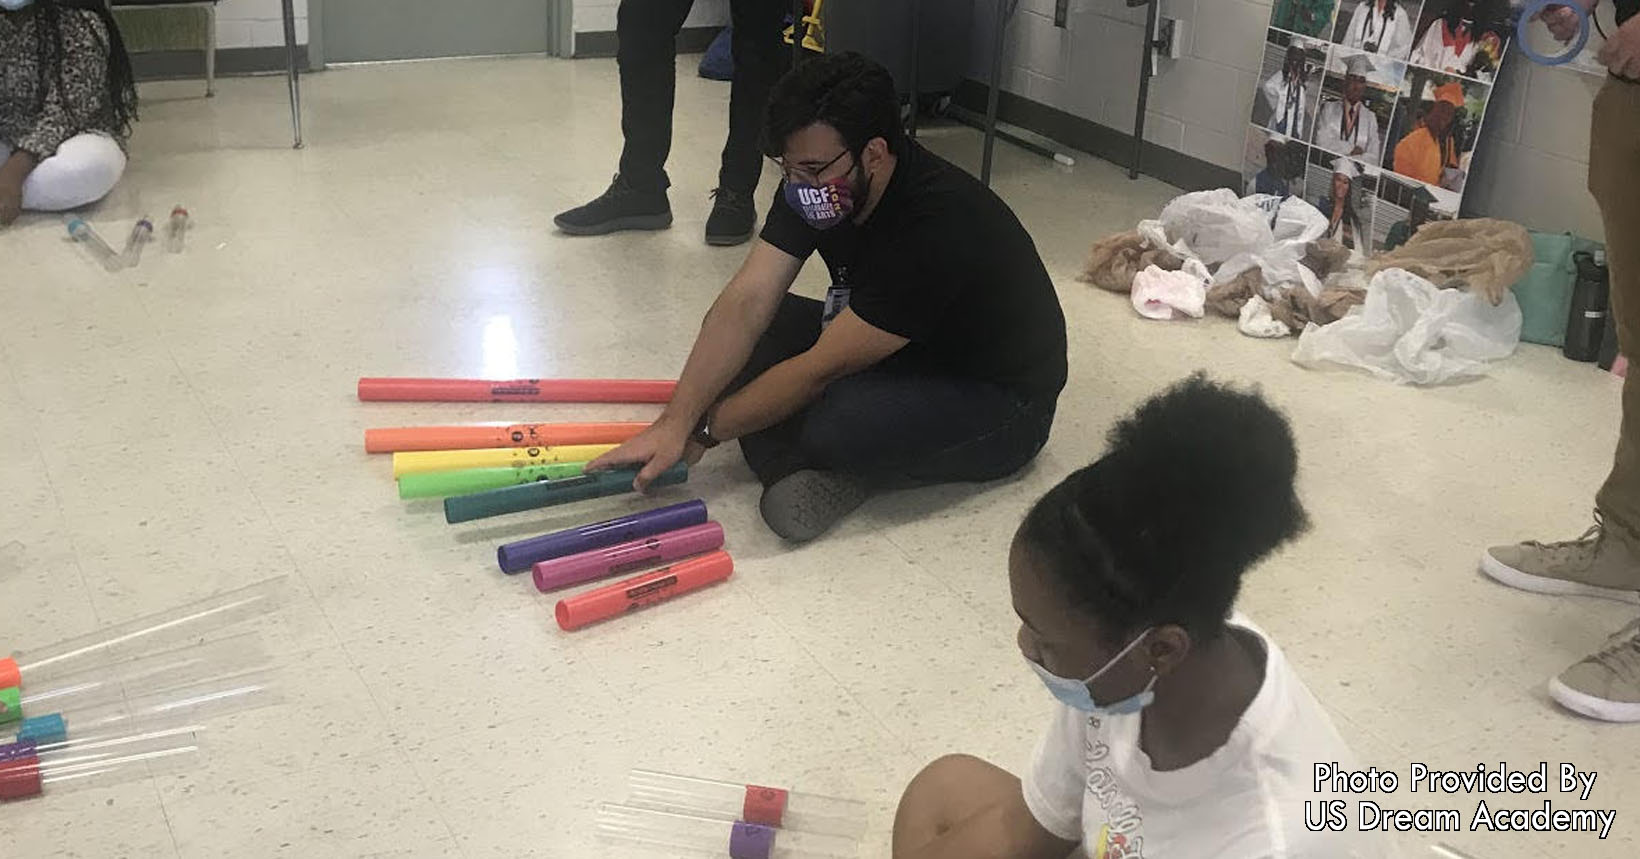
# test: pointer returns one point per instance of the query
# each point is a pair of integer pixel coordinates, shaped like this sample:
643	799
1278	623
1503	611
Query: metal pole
799	12
1145	61
996	87
292	75
916	66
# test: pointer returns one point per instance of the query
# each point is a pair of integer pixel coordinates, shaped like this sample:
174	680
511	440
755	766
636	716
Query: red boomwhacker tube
516	390
644	590
404	439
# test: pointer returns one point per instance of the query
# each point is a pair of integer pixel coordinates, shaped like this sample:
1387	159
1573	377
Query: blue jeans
892	428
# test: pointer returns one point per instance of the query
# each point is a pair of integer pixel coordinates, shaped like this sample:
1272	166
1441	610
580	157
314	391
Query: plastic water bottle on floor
82	233
177	230
141	232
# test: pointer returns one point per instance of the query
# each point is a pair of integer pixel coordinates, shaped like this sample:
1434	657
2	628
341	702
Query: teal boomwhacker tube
530	496
442	484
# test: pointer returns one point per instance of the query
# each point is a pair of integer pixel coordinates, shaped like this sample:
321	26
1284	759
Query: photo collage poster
1370	109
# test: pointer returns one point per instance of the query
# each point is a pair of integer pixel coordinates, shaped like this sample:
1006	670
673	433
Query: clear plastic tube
141	232
151	750
153	632
704	836
198	701
187	666
176	230
719	800
82	233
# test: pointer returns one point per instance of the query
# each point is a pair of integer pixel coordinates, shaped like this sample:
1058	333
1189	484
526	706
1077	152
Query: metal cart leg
292	74
210	50
997	45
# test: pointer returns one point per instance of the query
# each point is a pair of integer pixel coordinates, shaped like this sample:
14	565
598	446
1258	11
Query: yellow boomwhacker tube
421	462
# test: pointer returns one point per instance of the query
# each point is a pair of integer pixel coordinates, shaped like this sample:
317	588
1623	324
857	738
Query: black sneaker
806	504
622	207
733	219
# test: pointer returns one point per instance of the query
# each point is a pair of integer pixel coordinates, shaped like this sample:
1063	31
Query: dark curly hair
845	91
121	106
1196	487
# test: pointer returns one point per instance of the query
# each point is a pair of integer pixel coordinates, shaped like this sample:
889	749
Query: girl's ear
1168	646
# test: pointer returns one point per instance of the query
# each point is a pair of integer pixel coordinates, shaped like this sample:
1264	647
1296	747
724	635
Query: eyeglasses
797	173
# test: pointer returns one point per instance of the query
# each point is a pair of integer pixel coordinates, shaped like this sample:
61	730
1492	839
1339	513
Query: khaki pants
1614	179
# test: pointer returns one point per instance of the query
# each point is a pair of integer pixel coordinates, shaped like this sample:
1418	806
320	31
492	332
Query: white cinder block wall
1533	162
595	16
257	24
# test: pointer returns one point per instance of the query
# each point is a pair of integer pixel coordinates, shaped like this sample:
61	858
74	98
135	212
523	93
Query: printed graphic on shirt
1122	834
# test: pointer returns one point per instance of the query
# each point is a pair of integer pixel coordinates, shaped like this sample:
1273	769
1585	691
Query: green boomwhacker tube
530	496
442	484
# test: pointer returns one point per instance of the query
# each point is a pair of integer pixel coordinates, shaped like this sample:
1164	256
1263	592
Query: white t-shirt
1090	782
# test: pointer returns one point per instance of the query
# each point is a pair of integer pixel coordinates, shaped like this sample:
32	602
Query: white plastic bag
1162	294
1256	320
1214	225
1410	331
1296	224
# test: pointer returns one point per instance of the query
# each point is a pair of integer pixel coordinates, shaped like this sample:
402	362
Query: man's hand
11	202
654	450
1622	51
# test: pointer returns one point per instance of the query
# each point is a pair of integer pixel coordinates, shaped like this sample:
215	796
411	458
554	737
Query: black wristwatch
703	432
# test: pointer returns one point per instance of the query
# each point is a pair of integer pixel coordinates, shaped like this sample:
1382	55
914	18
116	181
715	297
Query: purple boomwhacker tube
523	554
627	557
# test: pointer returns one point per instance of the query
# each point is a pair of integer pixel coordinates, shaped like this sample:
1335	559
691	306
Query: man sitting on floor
937	356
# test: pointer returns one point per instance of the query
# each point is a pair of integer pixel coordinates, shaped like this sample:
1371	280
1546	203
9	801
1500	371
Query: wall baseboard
1168	165
603	43
174	65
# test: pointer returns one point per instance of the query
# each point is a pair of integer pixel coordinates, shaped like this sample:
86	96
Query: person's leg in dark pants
773	453
760	58
647	54
898	430
884	430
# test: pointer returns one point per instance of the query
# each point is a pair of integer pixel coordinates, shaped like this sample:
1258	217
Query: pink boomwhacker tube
516	390
627	557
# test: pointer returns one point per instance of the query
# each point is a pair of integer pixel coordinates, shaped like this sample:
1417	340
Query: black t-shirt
1627	9
944	263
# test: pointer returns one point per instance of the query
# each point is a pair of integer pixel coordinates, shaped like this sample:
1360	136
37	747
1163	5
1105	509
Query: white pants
85	168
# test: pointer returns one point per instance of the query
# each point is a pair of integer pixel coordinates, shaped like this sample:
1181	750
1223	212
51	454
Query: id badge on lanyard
837	296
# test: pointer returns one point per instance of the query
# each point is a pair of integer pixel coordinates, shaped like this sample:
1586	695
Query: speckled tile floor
190	426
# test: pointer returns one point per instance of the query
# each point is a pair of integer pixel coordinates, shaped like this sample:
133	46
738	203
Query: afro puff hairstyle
1196	487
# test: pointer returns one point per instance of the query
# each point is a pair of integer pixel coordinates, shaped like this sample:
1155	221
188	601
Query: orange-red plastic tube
516	390
644	590
395	439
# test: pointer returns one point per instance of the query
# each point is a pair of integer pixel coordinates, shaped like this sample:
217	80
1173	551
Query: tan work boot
1607	684
1601	563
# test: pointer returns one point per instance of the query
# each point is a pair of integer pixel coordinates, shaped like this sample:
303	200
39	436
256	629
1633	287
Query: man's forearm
724	344
770	398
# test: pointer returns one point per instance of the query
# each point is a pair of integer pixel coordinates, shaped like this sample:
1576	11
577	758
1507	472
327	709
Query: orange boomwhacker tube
395	439
644	590
516	390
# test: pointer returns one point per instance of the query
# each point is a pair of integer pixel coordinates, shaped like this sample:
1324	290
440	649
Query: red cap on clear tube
769	806
704	836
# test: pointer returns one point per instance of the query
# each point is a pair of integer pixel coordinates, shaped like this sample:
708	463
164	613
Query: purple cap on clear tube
555	573
751	841
521	555
17	751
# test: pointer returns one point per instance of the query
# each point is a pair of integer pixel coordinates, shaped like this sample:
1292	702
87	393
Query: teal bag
1545	293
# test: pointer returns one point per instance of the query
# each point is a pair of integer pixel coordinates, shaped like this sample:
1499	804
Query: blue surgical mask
14	5
1074	693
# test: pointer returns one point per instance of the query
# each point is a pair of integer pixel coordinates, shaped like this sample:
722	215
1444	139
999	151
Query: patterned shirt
75	101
